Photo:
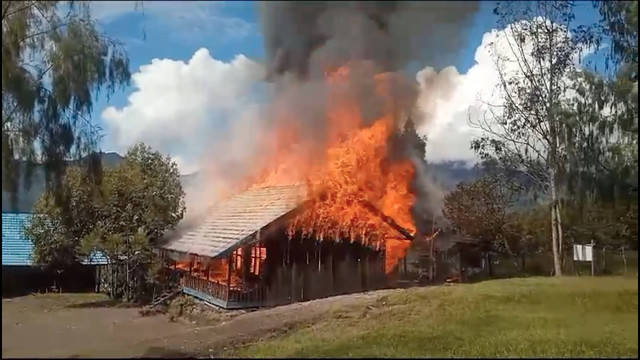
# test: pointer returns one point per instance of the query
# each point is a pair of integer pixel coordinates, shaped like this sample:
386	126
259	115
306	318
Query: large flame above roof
350	170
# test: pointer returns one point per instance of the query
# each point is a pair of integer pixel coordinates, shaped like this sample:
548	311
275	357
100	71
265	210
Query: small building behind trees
21	276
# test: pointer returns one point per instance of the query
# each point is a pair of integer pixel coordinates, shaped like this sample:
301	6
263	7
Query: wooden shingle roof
236	219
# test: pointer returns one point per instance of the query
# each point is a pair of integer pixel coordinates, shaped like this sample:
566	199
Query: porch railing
246	295
238	296
209	287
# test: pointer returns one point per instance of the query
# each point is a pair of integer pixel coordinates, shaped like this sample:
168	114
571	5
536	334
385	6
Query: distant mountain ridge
446	174
28	197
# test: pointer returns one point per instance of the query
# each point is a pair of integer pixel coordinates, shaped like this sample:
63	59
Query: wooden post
366	270
229	260
319	256
258	253
435	267
360	272
431	258
97	278
593	258
293	282
246	263
460	271
330	265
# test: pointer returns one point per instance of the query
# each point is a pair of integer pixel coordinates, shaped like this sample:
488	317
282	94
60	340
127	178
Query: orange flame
350	167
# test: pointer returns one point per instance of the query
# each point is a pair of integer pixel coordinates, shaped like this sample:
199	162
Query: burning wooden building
342	231
243	254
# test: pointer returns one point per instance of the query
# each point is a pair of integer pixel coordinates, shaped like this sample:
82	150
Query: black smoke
305	38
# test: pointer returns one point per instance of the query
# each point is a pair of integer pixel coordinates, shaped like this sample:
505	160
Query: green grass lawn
527	317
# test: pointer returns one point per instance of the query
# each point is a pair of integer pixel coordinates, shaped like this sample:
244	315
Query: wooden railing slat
241	294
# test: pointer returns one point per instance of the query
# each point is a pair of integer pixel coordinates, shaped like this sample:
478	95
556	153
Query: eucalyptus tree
54	61
534	61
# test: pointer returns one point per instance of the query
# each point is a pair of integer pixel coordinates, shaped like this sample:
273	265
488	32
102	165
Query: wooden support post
431	259
246	263
98	278
229	260
319	256
360	272
593	258
366	270
460	271
293	282
330	265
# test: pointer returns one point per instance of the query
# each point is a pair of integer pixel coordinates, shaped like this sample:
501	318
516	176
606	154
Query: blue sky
176	30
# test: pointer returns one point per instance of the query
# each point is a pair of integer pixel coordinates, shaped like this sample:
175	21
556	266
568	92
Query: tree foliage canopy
54	60
135	203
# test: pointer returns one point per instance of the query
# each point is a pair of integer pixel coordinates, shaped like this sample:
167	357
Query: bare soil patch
88	325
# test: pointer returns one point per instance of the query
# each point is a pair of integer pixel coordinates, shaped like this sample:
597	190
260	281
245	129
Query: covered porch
221	258
223	282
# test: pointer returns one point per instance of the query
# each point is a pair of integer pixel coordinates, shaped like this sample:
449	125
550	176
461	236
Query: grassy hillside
529	317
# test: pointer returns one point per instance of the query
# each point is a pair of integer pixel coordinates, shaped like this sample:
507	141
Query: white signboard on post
583	252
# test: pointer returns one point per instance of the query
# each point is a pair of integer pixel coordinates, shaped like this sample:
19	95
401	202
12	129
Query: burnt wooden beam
388	220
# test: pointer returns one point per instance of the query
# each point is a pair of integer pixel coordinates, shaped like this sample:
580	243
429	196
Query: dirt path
215	340
39	326
33	326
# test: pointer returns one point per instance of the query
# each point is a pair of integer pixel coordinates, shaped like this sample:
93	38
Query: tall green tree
136	203
601	131
620	24
54	61
57	232
534	62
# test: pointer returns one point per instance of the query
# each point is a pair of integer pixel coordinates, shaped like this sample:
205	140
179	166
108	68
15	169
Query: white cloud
179	107
448	99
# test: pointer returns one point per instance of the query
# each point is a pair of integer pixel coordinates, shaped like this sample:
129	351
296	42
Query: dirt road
70	325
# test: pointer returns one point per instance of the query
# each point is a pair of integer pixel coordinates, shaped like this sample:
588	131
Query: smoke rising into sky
305	38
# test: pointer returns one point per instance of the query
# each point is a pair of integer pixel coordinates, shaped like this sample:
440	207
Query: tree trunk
488	261
624	261
127	290
553	160
557	265
112	281
560	234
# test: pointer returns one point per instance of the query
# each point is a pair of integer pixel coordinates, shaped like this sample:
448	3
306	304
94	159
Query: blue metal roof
17	248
